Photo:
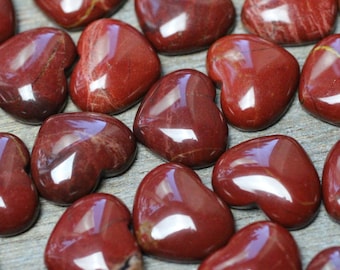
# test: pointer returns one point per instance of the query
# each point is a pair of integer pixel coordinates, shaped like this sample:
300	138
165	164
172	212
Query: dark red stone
117	67
74	14
331	182
290	21
19	202
33	84
175	217
180	121
260	245
258	79
328	258
7	20
93	233
73	151
176	27
273	173
319	90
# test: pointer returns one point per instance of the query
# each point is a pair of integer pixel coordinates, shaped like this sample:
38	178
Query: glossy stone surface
273	173
331	182
93	233
257	246
319	89
328	258
7	20
179	120
290	21
33	84
117	67
19	202
258	79
177	27
175	217
74	14
73	151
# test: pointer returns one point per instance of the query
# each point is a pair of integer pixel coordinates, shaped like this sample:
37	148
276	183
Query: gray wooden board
25	251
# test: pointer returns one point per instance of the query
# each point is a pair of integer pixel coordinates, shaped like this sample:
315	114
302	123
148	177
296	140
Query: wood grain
25	251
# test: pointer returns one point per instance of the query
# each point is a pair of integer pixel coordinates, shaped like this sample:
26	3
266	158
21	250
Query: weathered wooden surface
26	250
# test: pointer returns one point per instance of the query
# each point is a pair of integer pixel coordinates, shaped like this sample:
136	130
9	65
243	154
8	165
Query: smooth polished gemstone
93	233
175	217
331	182
7	20
117	67
273	173
258	79
290	21
180	121
33	84
72	14
260	245
19	202
177	27
73	151
328	258
319	89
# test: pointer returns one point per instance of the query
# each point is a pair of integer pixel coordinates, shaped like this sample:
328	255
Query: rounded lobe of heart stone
175	217
117	67
257	246
19	202
179	120
290	21
93	233
258	79
328	258
33	84
177	27
319	85
273	173
73	151
75	14
7	20
331	182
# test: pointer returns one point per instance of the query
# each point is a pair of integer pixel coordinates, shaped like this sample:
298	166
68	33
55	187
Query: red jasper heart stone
117	67
180	121
93	233
257	246
19	202
175	217
290	21
258	79
328	258
7	20
177	27
33	85
73	151
273	173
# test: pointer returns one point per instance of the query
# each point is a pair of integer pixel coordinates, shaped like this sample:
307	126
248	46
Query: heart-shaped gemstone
176	27
175	217
117	67
319	85
74	14
33	84
273	173
19	202
290	21
7	20
258	79
93	233
179	120
331	182
73	151
260	245
328	258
